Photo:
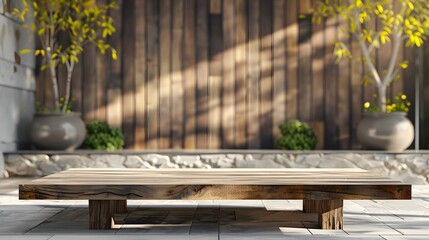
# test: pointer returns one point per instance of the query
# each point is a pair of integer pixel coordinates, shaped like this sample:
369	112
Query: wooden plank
292	59
76	88
343	104
409	78
190	75
279	65
152	12
304	6
140	75
331	73
356	71
331	214
318	62
166	72
266	84
177	75
215	80
215	6
228	91
254	75
89	91
114	85
202	73
304	68
128	108
240	72
101	81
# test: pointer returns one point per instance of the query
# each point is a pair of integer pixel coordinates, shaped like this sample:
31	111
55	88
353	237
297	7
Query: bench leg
330	212
310	206
101	212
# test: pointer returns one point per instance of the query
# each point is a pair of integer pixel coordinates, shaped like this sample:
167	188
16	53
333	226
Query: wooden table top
100	179
250	176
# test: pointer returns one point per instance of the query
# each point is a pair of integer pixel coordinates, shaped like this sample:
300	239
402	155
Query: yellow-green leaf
25	51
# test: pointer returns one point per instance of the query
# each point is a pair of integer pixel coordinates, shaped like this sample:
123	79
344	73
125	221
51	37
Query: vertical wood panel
292	59
356	70
177	75
152	86
228	92
215	79
165	98
202	73
89	90
128	72
114	86
318	54
140	75
343	106
304	68
253	76
76	87
266	117
279	65
190	74
331	86
223	74
240	72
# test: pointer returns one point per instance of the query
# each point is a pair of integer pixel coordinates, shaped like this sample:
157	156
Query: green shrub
297	135
101	136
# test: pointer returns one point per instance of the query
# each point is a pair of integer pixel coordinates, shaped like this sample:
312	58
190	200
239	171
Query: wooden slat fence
223	74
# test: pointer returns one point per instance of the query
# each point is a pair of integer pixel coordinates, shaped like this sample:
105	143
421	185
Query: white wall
17	84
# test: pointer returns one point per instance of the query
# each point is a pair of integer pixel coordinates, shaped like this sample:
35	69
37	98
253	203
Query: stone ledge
409	166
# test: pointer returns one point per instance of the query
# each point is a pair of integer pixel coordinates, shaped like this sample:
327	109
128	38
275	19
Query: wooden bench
323	190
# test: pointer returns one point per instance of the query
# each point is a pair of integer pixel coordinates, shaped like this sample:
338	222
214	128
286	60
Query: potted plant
81	22
399	22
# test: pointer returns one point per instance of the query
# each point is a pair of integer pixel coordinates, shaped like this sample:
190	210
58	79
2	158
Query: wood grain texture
120	184
140	75
330	214
128	101
165	89
241	68
100	215
254	76
177	84
228	91
202	73
190	75
310	206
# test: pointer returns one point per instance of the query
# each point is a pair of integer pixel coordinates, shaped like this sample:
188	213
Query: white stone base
408	167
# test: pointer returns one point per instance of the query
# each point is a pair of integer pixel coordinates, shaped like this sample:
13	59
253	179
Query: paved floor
58	220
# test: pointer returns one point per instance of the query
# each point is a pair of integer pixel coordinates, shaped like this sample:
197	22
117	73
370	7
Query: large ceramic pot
57	131
385	131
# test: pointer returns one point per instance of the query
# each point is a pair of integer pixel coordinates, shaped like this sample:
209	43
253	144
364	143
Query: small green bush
297	135
101	136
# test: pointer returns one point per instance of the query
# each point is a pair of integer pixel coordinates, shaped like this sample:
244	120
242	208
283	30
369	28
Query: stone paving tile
24	237
408	237
18	226
205	228
282	205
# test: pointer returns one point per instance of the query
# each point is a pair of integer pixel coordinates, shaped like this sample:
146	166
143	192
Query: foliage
399	21
297	135
81	22
399	104
101	136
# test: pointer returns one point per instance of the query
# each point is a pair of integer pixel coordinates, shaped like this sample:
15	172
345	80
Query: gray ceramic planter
385	131
57	131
